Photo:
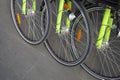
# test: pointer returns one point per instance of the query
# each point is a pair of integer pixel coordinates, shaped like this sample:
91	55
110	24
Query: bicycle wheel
33	23
61	46
103	63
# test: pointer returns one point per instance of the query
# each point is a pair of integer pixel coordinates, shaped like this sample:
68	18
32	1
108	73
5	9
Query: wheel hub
30	12
64	30
104	46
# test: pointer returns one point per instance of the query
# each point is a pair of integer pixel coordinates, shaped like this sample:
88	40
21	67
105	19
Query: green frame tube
34	5
59	16
67	19
24	5
103	27
108	30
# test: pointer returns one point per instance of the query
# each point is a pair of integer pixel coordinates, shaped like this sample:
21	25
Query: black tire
61	46
32	27
104	63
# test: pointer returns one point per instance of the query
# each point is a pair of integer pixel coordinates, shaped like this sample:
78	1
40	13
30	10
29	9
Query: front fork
59	15
105	29
24	6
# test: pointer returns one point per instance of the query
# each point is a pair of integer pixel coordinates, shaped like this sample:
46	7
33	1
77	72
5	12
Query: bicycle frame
24	6
105	29
59	15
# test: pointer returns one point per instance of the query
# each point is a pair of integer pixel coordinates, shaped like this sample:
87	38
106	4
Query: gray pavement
21	61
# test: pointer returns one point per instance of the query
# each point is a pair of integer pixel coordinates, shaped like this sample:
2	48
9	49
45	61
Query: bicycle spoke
101	62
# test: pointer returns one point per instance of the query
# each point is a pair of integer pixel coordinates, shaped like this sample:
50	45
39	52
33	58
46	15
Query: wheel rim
30	25
60	46
103	63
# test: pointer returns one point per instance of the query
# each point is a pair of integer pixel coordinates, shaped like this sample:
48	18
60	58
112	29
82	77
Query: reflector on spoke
18	18
79	34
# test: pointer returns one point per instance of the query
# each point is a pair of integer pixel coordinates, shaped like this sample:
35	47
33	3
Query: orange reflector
79	34
66	6
18	18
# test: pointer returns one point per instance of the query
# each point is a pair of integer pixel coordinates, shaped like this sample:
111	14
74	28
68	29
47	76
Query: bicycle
31	19
103	61
70	26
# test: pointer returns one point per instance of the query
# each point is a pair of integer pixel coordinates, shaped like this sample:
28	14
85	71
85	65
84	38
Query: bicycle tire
59	45
33	26
102	65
